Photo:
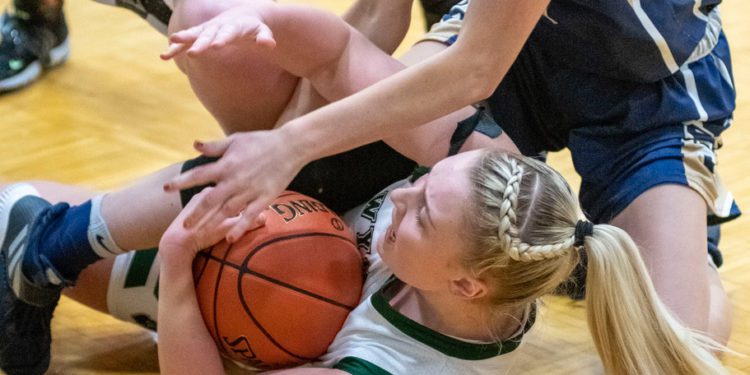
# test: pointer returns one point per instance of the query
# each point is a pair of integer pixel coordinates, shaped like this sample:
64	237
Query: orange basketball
278	296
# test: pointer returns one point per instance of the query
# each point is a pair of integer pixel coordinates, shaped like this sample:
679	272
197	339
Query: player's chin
384	247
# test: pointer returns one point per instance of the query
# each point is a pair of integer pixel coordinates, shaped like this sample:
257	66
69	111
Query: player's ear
469	287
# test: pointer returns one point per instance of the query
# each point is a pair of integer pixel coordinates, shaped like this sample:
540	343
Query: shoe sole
8	197
58	55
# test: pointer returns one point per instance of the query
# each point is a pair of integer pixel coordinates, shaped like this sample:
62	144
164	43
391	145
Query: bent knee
192	13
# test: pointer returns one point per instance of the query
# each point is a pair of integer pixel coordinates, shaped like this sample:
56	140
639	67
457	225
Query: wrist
176	258
301	142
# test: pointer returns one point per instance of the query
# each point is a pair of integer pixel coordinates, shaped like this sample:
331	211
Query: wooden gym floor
115	112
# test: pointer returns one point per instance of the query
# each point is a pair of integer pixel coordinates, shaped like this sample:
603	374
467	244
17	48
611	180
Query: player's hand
185	243
253	169
240	25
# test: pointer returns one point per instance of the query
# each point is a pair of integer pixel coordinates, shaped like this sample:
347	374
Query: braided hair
514	238
525	229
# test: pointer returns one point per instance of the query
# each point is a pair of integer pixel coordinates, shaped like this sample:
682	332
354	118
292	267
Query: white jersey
375	339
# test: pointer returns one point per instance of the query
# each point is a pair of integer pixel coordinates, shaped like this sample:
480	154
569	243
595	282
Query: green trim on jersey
445	344
359	366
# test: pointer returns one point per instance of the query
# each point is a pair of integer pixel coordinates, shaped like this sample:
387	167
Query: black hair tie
584	228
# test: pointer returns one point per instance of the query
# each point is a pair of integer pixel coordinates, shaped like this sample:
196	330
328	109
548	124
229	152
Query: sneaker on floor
29	47
29	290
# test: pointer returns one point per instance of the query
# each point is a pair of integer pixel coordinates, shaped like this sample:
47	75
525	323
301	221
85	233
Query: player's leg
63	239
91	286
34	37
435	9
668	222
720	307
242	90
661	187
45	247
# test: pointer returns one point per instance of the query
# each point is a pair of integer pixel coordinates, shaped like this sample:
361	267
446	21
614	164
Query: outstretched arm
492	36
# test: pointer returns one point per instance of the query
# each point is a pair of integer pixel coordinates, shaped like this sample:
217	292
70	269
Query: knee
192	13
720	313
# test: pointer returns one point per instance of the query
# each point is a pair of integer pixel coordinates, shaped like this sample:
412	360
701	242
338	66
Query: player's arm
256	166
185	346
492	35
347	62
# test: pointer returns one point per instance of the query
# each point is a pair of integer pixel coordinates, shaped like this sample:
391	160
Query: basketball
278	296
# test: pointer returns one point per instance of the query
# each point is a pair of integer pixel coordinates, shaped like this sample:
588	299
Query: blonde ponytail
524	233
633	331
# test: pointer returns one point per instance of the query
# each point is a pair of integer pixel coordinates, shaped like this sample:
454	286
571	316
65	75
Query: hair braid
508	229
527	253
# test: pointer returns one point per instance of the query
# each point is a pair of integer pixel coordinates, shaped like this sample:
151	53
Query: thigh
659	185
240	88
341	181
668	222
617	166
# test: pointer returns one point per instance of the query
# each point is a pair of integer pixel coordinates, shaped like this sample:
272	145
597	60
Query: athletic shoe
155	12
28	47
23	215
29	288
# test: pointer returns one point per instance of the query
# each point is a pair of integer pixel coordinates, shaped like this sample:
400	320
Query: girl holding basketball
438	302
435	301
471	335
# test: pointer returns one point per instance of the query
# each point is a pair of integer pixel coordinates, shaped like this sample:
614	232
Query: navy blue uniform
639	93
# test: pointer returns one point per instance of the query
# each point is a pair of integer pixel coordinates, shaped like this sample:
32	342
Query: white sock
99	237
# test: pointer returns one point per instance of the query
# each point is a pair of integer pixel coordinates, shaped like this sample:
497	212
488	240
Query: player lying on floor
435	300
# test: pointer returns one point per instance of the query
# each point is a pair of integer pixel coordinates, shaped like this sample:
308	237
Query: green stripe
445	344
140	267
359	366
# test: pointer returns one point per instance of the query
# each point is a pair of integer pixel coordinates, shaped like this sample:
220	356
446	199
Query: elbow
481	73
482	79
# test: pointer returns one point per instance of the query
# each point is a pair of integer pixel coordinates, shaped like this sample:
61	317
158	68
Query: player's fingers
202	175
194	201
187	36
239	228
235	205
225	226
264	37
225	35
249	219
203	41
217	226
213	149
207	209
259	221
173	50
211	204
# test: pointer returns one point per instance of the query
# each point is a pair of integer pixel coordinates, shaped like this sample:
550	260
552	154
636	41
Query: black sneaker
155	12
28	47
29	288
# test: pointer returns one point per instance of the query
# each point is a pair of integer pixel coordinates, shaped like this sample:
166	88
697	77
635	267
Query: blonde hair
522	223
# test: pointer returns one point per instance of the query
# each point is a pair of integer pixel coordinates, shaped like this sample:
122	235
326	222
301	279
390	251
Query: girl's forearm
185	346
493	34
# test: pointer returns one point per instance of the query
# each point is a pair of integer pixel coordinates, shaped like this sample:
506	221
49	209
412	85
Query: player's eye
418	217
